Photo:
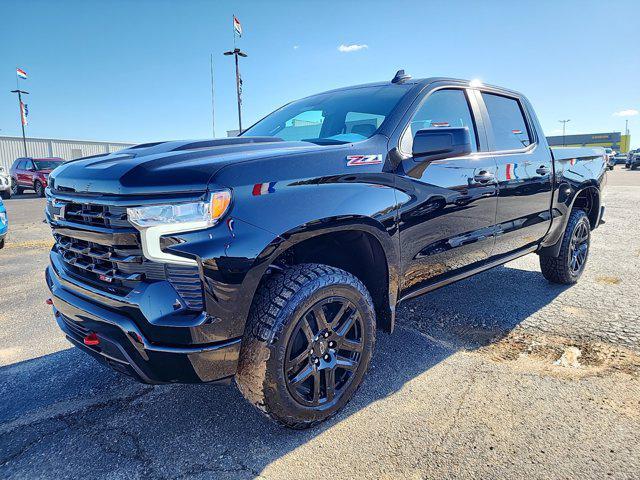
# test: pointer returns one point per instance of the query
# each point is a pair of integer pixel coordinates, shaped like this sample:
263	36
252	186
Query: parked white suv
5	184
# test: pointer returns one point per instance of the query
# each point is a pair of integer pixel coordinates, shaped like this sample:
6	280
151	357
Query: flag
263	188
23	114
236	26
21	73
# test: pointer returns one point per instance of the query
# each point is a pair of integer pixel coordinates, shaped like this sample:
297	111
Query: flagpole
213	115
237	52
24	139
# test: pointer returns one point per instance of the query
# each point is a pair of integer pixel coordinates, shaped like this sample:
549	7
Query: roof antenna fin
400	77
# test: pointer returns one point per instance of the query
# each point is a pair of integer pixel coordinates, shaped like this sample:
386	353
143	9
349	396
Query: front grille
107	216
98	244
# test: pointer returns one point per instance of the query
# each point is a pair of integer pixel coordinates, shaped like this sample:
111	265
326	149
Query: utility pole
564	127
236	52
24	140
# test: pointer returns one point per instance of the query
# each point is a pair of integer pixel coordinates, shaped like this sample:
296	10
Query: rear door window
508	123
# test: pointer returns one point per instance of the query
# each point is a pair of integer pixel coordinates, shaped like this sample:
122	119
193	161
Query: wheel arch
587	198
358	245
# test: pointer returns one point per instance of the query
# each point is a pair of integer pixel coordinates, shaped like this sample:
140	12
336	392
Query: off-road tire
38	188
278	305
2	243
5	194
557	269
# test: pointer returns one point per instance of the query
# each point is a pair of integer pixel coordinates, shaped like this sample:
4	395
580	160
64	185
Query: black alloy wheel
579	248
323	352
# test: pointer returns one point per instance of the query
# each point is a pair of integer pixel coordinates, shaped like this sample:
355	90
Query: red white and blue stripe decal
264	188
357	160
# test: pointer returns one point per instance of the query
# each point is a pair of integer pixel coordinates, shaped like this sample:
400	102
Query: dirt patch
563	357
608	280
30	244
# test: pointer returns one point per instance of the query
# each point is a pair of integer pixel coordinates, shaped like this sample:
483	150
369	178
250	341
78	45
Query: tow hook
91	340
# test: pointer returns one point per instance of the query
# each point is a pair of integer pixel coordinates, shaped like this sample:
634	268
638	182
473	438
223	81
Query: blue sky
139	71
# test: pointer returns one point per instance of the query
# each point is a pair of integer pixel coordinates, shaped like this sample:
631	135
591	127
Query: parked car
275	256
5	184
610	155
32	174
633	159
620	158
4	223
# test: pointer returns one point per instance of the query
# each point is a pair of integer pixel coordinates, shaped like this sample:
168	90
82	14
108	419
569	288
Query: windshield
331	118
47	164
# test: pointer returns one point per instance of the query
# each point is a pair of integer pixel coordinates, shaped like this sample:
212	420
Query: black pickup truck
274	257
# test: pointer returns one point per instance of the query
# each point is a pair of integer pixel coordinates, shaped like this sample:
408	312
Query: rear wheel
567	267
39	188
308	344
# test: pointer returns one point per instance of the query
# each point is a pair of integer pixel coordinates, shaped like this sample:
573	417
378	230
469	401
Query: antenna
400	77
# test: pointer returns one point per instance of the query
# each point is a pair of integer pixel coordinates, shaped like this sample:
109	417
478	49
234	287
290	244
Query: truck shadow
64	408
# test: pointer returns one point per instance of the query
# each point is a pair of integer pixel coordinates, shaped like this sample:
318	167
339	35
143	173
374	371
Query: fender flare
553	250
284	241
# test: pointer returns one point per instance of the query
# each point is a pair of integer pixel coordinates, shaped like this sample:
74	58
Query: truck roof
422	82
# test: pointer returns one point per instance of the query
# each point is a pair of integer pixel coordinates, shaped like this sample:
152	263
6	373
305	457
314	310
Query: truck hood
166	168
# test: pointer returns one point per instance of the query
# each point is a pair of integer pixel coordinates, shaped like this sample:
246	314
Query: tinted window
332	118
507	120
47	164
443	108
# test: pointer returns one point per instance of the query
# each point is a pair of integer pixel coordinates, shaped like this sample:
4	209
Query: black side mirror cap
441	142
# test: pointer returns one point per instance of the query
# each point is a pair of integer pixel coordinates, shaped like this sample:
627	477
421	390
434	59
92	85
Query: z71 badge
356	160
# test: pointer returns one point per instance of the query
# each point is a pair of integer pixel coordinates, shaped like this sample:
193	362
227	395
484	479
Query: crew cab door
447	206
525	170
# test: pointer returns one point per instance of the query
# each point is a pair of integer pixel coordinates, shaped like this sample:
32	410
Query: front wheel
308	343
15	189
39	188
567	267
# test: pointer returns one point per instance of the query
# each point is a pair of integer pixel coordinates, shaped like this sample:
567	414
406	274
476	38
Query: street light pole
236	52
24	140
564	126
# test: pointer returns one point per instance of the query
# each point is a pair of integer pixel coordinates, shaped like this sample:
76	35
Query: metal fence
12	148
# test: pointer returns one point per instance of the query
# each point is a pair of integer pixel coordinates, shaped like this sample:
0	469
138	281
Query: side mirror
441	142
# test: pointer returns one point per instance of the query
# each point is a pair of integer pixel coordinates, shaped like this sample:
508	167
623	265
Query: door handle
484	176
542	170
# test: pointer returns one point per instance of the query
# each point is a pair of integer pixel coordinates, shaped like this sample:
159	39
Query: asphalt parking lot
499	376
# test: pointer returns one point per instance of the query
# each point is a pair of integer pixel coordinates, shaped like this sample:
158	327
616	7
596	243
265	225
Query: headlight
157	220
205	214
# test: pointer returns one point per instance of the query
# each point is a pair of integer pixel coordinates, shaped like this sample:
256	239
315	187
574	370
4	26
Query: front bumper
149	347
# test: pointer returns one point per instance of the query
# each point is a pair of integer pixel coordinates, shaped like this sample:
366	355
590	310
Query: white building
12	148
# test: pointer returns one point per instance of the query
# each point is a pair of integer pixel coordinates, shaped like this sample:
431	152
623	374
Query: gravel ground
481	380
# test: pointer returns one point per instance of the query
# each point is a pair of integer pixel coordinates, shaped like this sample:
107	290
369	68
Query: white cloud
296	47
354	47
627	113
